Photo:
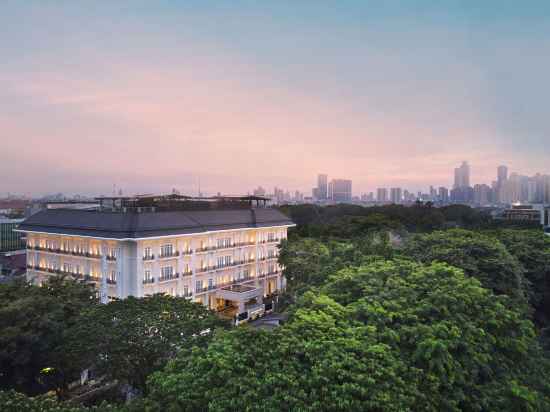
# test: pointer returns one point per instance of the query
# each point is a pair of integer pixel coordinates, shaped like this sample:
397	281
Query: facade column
104	266
193	270
179	268
156	267
122	281
139	268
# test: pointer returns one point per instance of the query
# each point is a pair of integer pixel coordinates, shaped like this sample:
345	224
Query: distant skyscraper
340	190
396	195
482	195
502	174
462	175
381	195
322	186
443	194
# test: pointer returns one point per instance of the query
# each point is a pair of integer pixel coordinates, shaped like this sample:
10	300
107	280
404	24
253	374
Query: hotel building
221	252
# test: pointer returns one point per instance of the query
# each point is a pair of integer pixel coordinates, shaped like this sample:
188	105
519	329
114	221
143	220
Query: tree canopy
408	337
32	324
479	255
129	339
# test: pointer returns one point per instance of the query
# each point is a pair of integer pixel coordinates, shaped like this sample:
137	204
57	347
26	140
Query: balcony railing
186	273
148	281
221	267
80	276
66	252
169	255
274	240
169	277
111	258
222	285
263	259
148	257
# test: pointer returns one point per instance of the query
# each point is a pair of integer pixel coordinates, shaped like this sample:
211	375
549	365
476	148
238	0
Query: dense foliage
480	256
129	339
32	325
390	335
17	402
347	221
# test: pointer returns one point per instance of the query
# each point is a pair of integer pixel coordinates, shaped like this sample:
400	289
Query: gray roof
118	225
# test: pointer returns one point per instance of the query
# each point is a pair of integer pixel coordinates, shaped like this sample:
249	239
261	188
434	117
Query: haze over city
150	96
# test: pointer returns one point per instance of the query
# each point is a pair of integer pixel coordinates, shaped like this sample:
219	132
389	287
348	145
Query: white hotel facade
224	258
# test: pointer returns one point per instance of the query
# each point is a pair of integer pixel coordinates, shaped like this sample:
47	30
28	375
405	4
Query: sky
150	96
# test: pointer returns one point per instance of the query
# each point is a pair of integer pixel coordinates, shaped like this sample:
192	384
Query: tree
17	402
532	249
479	255
129	339
472	350
32	322
412	337
318	362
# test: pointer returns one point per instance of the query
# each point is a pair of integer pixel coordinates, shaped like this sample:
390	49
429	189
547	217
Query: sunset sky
151	95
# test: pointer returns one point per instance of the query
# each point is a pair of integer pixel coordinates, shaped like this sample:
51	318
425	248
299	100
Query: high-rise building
322	186
223	255
396	195
340	190
502	174
381	195
462	175
482	195
443	194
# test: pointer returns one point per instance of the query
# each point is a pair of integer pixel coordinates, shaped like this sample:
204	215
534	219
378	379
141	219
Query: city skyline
185	90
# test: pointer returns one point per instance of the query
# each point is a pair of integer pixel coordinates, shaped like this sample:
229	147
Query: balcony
148	257
186	273
169	255
148	281
206	288
80	276
173	276
111	258
263	259
274	240
66	252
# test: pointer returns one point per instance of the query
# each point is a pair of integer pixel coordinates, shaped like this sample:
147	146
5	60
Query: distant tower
462	175
322	186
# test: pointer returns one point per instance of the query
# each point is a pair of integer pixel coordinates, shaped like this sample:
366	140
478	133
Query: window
270	236
166	272
112	277
77	269
271	253
166	250
225	242
210	283
198	286
224	261
67	267
186	290
147	254
147	275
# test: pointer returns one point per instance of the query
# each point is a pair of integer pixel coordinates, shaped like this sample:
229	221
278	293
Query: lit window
166	250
